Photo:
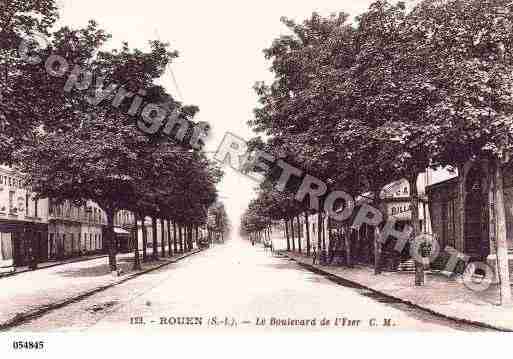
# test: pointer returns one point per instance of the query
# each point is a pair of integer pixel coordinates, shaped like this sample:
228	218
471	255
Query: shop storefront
123	240
21	242
466	222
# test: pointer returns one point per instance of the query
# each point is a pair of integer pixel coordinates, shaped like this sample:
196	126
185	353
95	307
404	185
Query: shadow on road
96	271
281	265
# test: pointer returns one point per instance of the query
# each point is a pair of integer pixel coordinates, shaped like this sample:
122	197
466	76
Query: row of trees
362	104
74	139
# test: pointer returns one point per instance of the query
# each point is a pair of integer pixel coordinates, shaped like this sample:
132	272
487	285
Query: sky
220	45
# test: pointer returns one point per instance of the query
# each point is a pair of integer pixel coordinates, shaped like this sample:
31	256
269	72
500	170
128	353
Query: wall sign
402	211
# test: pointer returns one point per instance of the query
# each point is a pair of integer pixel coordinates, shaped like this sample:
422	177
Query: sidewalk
440	295
32	293
6	272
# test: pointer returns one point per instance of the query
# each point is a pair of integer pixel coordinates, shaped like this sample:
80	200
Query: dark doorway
476	214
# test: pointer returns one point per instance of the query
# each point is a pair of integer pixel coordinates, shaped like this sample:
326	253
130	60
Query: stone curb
21	318
402	300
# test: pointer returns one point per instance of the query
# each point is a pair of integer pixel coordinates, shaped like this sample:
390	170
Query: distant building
124	231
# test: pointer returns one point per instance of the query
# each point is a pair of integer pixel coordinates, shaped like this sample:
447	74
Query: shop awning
118	230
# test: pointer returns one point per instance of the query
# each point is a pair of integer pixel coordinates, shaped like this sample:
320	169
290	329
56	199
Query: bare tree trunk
137	258
298	234
419	265
185	238
170	248
460	239
378	245
287	234
377	250
155	254
145	238
162	239
308	245
190	237
319	233
111	240
323	232
330	237
175	238
502	244
292	234
347	244
180	238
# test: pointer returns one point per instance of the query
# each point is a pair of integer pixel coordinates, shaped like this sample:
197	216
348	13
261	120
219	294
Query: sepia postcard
207	174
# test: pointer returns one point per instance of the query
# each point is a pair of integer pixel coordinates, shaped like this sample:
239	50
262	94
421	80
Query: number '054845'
27	345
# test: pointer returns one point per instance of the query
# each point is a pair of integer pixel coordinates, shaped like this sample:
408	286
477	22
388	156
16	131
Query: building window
444	224
27	207
11	200
451	225
51	247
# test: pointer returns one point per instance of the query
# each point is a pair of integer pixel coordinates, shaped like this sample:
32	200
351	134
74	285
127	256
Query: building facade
23	221
43	230
75	231
124	231
463	212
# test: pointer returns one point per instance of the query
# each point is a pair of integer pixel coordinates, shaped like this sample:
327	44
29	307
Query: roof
446	183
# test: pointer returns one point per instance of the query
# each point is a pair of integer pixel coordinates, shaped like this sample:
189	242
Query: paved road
237	283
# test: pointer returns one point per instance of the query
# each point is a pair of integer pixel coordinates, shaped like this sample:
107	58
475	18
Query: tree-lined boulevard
356	103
